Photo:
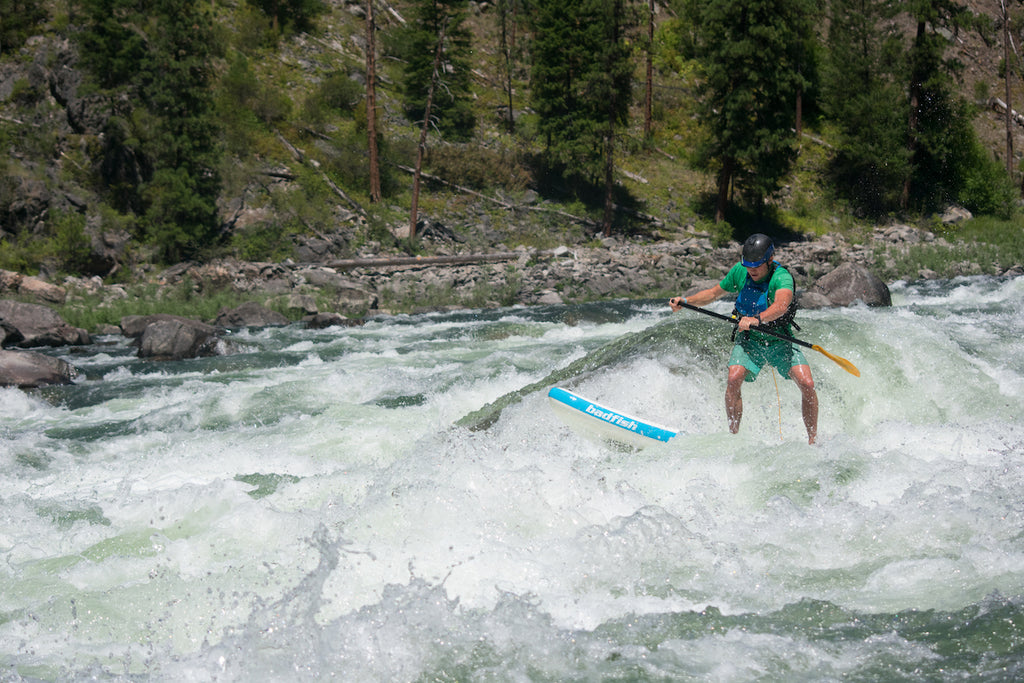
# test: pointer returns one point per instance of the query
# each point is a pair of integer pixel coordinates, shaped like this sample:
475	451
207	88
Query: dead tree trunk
1009	106
649	95
371	103
434	76
506	51
724	181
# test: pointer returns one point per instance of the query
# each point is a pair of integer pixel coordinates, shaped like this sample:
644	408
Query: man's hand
747	322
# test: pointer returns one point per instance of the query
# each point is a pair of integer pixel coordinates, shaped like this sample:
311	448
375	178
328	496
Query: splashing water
397	502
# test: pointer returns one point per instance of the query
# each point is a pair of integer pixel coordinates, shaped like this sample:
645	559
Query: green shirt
756	297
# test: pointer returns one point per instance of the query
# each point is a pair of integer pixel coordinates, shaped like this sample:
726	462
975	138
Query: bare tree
649	96
1006	73
506	20
434	77
371	103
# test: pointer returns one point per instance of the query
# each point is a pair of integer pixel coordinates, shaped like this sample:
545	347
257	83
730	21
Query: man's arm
701	298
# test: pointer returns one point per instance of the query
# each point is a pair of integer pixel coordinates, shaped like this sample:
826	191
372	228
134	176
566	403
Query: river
398	502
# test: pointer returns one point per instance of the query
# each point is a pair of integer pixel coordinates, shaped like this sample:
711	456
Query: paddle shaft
735	321
842	362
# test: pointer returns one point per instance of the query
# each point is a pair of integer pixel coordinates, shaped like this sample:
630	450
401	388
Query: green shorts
751	354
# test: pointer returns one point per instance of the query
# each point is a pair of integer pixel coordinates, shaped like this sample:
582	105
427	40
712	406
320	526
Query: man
765	299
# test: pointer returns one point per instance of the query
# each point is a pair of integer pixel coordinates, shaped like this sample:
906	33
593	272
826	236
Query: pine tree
581	85
906	136
18	19
295	15
112	46
750	53
863	95
936	121
182	213
451	112
161	160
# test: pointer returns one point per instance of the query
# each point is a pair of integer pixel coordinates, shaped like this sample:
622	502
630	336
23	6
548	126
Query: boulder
107	250
353	298
318	321
301	304
28	369
852	282
249	314
549	297
29	286
180	338
39	326
812	300
351	295
135	325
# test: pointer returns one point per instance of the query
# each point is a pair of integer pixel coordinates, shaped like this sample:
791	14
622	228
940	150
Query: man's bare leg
734	397
801	374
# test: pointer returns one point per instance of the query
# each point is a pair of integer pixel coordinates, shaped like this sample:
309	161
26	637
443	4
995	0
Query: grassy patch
980	246
91	311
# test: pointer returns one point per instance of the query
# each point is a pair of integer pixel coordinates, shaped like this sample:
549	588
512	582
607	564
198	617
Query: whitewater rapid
397	501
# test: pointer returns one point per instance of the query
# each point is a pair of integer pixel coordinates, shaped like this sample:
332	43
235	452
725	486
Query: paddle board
594	420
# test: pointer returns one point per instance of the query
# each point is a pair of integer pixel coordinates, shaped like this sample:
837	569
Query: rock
700	285
9	334
427	229
319	321
107	250
177	339
955	214
302	304
249	314
351	295
812	300
135	325
28	369
171	337
40	326
355	299
549	298
852	282
26	285
29	205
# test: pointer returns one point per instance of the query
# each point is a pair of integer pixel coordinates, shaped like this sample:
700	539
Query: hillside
293	176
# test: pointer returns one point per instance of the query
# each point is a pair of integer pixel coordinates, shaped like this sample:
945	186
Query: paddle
841	362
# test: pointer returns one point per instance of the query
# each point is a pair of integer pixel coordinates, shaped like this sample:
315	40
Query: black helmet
757	249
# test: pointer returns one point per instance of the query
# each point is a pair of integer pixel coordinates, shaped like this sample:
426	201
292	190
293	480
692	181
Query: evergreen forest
174	130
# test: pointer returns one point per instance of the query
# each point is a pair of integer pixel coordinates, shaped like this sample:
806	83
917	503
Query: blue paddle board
594	420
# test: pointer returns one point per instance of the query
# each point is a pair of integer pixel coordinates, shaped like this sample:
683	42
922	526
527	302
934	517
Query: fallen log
300	156
1000	106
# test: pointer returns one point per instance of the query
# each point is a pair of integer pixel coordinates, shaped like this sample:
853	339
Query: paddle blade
841	362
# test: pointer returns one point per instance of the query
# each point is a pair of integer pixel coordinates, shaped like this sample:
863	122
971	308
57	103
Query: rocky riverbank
373	284
830	271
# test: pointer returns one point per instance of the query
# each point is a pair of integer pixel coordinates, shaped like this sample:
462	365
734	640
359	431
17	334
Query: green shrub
263	242
69	245
340	92
987	189
478	167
